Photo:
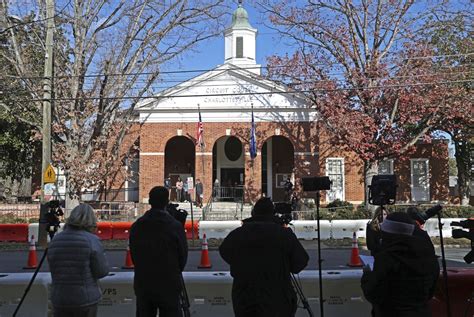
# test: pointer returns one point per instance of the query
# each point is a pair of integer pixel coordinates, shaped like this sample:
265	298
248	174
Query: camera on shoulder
283	213
177	213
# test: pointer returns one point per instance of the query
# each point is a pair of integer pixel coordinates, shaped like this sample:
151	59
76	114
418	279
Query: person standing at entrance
199	193
288	189
159	251
179	190
216	189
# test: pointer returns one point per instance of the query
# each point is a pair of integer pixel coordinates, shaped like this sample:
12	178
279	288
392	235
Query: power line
193	81
209	83
296	92
36	21
219	69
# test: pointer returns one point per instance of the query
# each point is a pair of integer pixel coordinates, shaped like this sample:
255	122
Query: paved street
334	259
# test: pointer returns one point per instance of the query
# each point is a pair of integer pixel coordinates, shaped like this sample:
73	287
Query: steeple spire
240	39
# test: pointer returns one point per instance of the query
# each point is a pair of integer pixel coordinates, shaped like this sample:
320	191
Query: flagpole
252	137
201	144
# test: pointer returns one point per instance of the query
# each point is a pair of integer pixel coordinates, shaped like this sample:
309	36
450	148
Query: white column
269	168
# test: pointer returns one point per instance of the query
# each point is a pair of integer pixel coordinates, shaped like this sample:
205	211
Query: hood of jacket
416	252
261	218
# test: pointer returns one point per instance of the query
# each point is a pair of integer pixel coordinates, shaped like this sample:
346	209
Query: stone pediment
226	93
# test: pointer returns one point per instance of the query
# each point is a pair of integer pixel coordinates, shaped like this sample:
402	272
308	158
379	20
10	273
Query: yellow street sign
49	175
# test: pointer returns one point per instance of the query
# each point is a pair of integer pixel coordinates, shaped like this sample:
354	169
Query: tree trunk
463	162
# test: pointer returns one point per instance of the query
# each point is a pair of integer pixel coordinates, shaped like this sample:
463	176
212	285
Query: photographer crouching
159	251
262	254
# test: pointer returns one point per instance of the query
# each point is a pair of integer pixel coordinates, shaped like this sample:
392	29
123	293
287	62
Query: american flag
253	139
199	132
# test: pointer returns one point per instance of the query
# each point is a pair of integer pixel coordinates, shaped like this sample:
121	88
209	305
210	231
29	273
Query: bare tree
112	53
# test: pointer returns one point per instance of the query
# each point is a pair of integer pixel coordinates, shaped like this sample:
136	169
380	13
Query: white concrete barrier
217	229
431	226
210	294
341	229
118	297
12	288
308	229
341	291
33	229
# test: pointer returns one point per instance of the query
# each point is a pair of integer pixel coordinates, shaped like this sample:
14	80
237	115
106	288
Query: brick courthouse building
290	142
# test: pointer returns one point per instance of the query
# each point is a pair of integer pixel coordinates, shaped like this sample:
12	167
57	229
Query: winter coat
374	239
199	189
159	252
261	255
404	277
76	260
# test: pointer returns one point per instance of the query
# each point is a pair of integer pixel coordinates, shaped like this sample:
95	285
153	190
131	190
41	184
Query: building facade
289	141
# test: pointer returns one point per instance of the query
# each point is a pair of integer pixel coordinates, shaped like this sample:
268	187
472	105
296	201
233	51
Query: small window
240	47
335	171
386	167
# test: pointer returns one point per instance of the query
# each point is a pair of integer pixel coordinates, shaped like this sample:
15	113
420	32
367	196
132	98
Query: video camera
51	216
178	214
460	233
283	213
422	217
383	190
312	184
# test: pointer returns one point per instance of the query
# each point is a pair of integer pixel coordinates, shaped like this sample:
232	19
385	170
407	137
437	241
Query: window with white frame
420	180
386	167
335	172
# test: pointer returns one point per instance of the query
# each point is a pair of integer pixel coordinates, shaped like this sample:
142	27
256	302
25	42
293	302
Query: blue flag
253	140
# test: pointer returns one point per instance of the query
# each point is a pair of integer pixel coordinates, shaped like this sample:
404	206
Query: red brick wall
310	150
154	136
437	153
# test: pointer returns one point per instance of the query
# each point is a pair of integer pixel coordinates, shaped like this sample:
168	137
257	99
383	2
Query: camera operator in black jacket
405	271
262	254
159	251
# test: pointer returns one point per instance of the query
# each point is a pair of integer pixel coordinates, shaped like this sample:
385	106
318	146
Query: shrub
11	218
336	204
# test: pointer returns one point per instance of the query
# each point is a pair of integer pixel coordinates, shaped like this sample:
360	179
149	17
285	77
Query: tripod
299	292
320	261
184	299
443	262
52	219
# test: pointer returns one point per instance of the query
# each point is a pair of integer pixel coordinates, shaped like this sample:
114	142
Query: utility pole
47	102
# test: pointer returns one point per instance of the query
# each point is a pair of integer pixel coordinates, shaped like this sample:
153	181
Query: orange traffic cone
205	262
355	260
128	260
32	258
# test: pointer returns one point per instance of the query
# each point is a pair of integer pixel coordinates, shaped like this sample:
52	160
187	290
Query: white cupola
240	41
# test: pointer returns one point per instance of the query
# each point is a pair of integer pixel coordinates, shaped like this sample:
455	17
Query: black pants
87	311
147	307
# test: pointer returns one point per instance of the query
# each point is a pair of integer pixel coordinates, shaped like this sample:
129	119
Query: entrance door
232	180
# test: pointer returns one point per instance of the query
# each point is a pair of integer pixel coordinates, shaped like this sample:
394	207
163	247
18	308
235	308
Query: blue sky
210	53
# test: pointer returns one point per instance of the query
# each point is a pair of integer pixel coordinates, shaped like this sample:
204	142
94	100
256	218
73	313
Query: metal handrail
207	208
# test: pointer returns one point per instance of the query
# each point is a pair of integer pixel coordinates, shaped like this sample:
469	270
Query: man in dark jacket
405	271
199	192
288	189
262	254
159	251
